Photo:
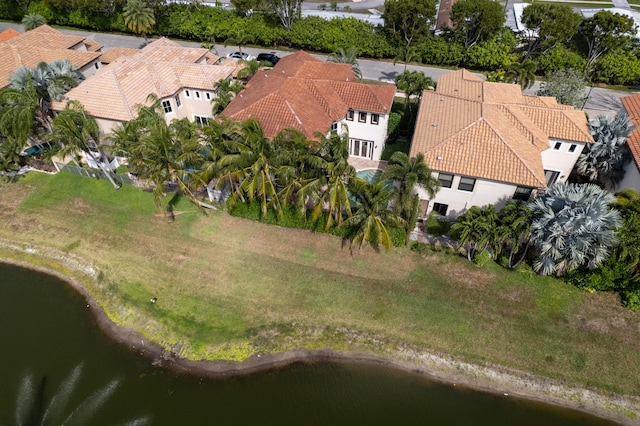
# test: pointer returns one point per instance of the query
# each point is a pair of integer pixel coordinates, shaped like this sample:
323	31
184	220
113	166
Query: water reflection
51	333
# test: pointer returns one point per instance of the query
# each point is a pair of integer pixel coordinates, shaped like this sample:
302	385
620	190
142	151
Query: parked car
268	57
238	55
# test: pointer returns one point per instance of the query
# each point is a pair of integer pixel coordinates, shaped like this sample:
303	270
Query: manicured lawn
228	288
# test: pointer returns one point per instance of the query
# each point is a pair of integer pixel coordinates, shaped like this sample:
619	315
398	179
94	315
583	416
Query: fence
96	174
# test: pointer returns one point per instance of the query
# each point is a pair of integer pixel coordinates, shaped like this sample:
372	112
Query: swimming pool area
369	175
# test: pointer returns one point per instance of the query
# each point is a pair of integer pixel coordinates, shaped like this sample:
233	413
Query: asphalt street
600	101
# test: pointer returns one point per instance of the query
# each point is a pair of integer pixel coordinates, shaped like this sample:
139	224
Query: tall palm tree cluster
314	177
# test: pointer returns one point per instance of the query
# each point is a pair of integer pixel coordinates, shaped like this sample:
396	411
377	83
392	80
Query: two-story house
313	96
488	142
182	78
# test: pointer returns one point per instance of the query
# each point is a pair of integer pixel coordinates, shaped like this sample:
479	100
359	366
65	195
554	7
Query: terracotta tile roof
287	96
29	56
8	34
92	45
45	36
490	130
115	92
631	104
116	52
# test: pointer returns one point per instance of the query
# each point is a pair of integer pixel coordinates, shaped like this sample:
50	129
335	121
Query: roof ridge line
293	112
121	91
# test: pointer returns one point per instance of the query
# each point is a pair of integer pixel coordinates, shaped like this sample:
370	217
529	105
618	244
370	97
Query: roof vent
438	158
441	99
455	90
434	124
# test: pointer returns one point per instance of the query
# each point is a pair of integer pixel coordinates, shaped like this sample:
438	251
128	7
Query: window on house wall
334	126
207	95
441	209
572	147
360	148
522	193
446	180
375	118
350	115
557	146
466	184
187	93
97	65
200	120
178	101
197	95
166	105
362	117
551	176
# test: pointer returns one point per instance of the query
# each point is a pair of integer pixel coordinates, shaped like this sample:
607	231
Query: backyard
229	288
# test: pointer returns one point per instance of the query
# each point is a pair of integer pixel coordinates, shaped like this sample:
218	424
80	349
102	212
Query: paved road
600	102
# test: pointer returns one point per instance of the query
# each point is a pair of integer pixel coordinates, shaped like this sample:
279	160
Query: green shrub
482	258
559	58
618	67
438	51
631	299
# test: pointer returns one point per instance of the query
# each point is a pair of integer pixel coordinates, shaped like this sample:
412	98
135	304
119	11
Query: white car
238	55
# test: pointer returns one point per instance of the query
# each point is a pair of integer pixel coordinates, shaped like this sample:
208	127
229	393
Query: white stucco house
310	95
631	104
182	78
488	142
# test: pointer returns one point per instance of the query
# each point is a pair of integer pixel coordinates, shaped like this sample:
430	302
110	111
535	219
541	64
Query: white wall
631	178
484	192
191	105
367	131
561	160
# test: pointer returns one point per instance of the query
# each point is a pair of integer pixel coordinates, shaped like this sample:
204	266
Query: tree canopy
567	86
547	25
476	20
408	20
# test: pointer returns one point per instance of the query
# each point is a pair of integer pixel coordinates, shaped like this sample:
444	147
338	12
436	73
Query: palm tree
573	226
477	228
413	83
76	131
251	168
238	37
330	191
226	90
32	20
372	215
249	69
51	80
604	161
409	173
522	73
10	158
139	18
347	57
21	113
514	230
407	54
162	153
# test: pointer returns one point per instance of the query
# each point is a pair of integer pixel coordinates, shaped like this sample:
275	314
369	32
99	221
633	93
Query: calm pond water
45	330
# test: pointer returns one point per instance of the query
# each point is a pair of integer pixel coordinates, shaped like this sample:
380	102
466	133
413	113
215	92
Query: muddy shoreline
487	378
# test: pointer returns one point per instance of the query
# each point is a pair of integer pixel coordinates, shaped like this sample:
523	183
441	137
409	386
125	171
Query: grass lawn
228	288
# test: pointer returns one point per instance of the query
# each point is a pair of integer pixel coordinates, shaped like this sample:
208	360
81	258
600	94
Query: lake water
46	330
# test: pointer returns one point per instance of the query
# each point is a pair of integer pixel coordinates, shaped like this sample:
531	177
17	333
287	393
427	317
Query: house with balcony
182	78
45	44
631	105
314	96
488	142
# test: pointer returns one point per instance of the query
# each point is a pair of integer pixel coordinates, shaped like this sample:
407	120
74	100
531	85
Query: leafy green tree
347	57
619	66
288	11
476	20
477	229
559	58
413	83
247	7
76	131
409	173
606	31
139	18
514	230
497	52
372	215
603	162
409	20
573	226
32	20
238	37
567	86
523	73
548	25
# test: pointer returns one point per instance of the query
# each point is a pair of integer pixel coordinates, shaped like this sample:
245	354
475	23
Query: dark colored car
268	57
